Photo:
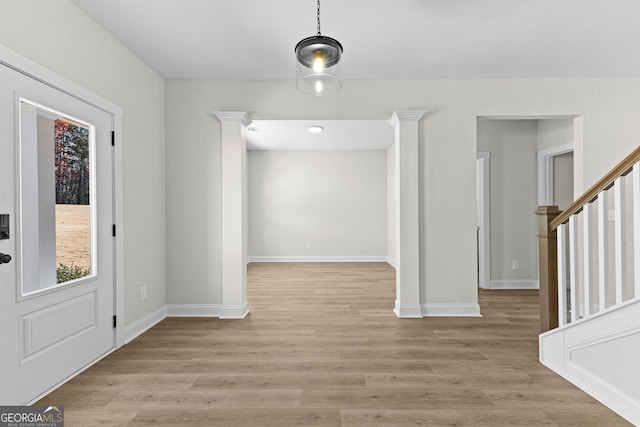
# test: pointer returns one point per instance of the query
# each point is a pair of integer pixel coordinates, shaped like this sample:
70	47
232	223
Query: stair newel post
548	265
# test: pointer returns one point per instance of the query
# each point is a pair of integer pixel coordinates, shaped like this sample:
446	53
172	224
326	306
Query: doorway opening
510	187
323	196
556	176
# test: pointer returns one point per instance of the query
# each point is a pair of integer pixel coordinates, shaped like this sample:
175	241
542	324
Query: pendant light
317	64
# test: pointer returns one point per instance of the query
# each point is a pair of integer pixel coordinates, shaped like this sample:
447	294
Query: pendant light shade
317	64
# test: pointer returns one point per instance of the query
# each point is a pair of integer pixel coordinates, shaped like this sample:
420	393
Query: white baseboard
317	259
407	311
391	262
514	284
208	310
606	393
451	310
234	311
140	326
437	310
599	355
193	310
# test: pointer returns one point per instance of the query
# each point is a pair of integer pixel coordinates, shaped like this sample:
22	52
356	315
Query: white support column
573	268
484	223
406	124
603	249
562	275
31	277
620	238
587	264
636	229
234	213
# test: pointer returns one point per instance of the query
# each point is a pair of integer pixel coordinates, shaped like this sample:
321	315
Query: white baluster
603	248
620	238
573	268
588	276
562	275
636	229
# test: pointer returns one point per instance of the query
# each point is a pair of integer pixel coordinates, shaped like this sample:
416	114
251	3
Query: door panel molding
45	328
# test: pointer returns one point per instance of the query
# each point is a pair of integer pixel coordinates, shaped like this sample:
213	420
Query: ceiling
404	39
337	135
254	39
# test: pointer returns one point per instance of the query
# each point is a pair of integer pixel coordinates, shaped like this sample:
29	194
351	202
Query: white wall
448	156
554	132
334	200
513	145
101	64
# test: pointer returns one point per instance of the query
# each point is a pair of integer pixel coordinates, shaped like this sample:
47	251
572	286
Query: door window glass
56	192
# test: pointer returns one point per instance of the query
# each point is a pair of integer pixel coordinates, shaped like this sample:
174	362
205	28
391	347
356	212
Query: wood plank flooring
322	347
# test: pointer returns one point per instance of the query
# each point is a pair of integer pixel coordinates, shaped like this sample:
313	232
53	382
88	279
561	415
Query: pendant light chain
319	18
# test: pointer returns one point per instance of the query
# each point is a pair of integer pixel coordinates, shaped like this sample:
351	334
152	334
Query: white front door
56	195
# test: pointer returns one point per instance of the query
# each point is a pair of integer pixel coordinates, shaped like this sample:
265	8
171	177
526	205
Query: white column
234	213
407	197
30	216
47	199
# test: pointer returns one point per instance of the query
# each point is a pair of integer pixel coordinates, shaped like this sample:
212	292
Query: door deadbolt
5	259
4	227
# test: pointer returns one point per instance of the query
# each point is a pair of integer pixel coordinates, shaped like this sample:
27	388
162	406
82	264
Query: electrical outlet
514	264
308	245
143	292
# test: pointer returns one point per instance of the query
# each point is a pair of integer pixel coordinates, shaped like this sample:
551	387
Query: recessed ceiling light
315	129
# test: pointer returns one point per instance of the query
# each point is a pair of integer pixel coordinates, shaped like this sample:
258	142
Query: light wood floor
323	347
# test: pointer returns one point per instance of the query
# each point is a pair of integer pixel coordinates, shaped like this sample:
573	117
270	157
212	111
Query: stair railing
589	255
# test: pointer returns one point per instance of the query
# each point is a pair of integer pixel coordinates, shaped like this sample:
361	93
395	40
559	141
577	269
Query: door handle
5	259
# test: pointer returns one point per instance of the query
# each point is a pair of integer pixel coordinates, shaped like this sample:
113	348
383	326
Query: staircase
590	289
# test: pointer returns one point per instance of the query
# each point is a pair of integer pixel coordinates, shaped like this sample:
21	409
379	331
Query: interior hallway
323	347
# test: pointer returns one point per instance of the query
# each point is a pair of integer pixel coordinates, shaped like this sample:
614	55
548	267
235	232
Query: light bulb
319	86
318	61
